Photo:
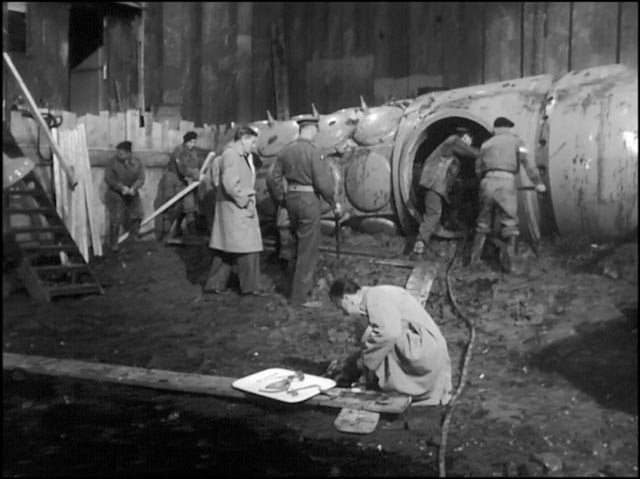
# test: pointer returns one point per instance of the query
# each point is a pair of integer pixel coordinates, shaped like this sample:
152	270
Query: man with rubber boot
497	166
439	171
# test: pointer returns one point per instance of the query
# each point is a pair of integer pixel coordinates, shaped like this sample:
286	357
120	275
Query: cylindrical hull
581	133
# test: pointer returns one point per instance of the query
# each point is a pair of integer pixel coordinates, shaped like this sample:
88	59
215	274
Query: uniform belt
500	171
305	188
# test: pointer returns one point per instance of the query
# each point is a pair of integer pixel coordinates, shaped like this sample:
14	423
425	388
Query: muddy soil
552	385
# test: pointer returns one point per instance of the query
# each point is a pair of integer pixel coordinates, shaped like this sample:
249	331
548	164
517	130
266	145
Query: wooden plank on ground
420	281
193	383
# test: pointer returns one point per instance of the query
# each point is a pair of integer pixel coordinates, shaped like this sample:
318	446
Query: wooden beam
193	383
38	116
279	66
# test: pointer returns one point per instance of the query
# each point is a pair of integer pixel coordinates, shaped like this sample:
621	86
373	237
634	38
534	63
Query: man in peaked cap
124	177
497	167
182	169
439	171
308	178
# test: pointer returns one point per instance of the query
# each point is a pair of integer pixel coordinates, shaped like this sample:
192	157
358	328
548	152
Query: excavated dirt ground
552	384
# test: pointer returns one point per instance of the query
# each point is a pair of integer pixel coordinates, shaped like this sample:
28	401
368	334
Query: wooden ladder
51	264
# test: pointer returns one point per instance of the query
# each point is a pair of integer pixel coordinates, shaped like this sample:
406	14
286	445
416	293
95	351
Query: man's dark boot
134	232
191	224
476	249
114	229
508	253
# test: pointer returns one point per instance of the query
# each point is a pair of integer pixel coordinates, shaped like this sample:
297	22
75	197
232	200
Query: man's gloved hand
540	188
126	190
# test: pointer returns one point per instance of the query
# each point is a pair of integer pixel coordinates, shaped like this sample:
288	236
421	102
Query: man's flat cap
308	120
190	135
501	121
124	146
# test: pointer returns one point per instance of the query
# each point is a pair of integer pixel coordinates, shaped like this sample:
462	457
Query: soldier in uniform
439	171
308	177
124	176
497	166
182	169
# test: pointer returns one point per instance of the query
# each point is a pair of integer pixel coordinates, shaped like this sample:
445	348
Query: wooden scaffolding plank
193	383
91	203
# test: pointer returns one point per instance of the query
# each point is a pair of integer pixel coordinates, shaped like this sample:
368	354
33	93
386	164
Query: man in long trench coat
236	236
403	349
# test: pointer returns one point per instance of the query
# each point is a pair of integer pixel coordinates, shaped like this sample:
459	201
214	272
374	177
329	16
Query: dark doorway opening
86	33
86	59
465	191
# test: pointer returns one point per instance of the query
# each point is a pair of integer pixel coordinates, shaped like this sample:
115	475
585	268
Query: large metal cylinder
582	134
593	152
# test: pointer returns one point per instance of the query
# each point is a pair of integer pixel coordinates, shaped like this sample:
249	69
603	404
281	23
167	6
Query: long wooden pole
189	382
163	208
38	116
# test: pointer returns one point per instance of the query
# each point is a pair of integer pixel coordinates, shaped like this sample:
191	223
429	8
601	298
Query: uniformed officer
497	166
124	176
439	171
308	178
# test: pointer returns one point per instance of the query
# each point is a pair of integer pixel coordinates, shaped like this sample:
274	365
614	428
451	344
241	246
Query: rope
465	365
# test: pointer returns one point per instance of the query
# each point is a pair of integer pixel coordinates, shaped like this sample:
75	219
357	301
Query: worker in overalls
497	166
182	169
124	176
308	178
439	171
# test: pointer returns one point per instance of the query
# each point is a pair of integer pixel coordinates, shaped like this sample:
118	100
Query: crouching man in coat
403	349
235	235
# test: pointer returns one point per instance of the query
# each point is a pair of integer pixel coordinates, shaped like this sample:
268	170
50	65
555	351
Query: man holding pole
124	177
182	170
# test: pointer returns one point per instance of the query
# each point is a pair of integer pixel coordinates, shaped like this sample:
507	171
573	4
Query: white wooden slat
92	214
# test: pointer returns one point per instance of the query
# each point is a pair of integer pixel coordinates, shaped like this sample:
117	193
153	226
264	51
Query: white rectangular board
264	383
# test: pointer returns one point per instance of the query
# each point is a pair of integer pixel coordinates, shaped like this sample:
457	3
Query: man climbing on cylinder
183	168
308	177
439	171
124	177
497	166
